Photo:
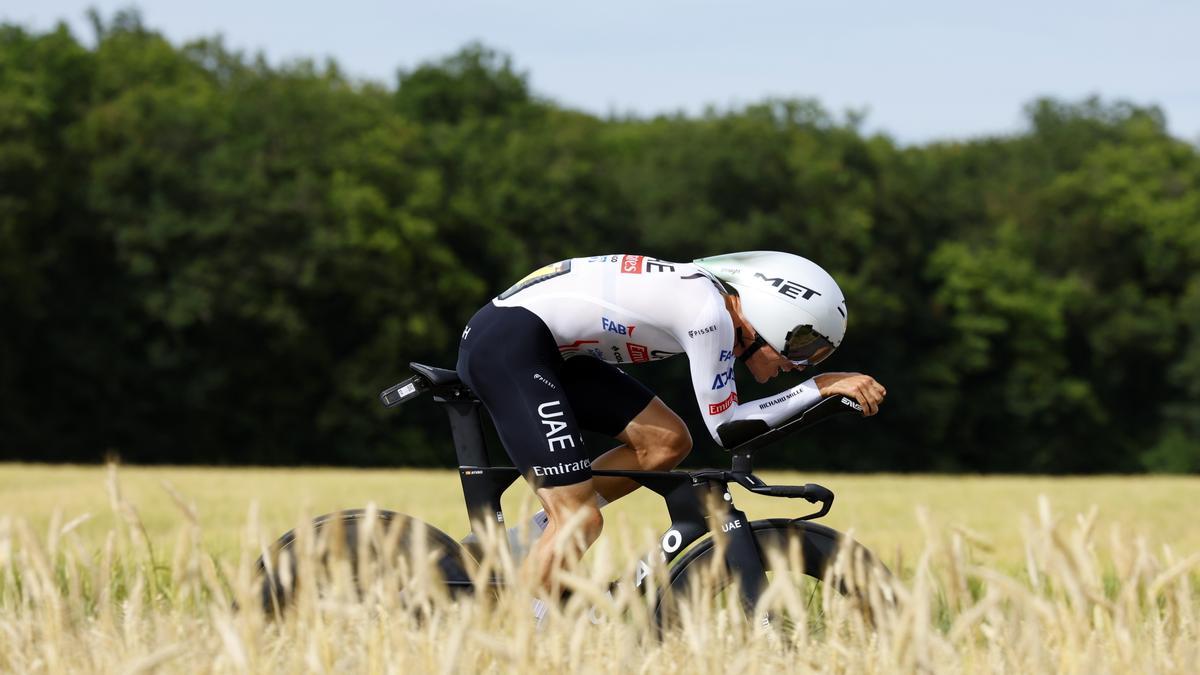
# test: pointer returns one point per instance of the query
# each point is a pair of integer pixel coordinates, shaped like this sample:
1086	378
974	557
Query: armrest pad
747	438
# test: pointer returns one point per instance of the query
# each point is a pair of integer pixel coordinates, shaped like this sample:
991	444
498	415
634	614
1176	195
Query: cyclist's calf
572	508
573	513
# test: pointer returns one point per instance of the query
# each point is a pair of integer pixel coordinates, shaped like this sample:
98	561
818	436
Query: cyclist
543	355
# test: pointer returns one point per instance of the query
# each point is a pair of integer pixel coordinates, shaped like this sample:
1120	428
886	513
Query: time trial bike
707	530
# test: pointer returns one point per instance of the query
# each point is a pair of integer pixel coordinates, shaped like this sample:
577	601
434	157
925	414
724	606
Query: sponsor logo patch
562	468
575	347
789	288
637	353
632	264
615	327
784	398
548	383
550	416
657	354
537	276
658	266
718	408
726	355
695	332
723	379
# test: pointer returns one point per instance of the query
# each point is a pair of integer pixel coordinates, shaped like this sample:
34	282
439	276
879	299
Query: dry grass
991	580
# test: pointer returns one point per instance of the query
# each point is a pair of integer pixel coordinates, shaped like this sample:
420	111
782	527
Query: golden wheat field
139	570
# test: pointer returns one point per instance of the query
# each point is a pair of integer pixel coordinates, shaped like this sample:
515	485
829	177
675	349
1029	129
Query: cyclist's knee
659	436
593	522
678	445
669	447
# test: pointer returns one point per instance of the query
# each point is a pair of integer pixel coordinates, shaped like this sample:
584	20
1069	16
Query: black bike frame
695	499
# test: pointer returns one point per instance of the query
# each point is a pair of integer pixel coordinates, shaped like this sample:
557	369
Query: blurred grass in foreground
877	509
982	589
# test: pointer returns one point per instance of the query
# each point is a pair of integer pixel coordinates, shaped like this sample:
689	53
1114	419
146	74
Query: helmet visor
806	347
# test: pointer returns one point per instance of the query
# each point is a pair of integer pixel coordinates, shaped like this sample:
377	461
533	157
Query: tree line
207	258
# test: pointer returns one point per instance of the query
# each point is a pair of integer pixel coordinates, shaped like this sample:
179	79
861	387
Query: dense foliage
206	258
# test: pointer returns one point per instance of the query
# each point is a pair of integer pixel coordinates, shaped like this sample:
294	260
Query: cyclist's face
766	363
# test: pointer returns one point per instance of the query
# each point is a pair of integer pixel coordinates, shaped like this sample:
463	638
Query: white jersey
632	309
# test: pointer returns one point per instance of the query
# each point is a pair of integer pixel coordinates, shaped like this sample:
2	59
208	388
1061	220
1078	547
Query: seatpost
743	463
482	485
467	430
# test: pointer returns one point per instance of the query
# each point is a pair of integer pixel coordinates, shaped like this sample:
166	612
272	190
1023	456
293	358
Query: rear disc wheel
348	545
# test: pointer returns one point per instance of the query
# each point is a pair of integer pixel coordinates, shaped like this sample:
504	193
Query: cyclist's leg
607	400
655	440
509	359
574	524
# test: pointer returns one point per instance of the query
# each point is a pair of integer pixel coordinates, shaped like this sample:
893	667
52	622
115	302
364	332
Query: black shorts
538	401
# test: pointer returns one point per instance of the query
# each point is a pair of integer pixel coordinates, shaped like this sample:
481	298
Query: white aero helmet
795	306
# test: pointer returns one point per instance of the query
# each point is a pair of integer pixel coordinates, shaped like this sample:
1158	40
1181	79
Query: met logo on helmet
789	288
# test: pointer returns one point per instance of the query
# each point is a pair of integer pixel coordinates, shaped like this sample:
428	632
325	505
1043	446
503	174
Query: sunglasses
806	347
803	346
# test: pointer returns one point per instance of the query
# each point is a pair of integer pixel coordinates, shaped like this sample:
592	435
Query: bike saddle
436	376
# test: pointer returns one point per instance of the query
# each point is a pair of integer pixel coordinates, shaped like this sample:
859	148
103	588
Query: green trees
206	258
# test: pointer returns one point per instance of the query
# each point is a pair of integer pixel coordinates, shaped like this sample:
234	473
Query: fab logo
614	327
726	356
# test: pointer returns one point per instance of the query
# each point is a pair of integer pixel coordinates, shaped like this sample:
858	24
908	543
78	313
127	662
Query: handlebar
810	492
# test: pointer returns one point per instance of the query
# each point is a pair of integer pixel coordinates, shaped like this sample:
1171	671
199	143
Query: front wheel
808	554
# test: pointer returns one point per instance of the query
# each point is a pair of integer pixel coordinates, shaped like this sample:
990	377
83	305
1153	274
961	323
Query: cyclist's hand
862	388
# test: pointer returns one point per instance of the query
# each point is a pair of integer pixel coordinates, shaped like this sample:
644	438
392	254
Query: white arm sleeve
779	408
708	341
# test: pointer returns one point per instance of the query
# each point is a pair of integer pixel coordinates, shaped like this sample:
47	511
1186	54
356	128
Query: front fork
742	557
697	508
